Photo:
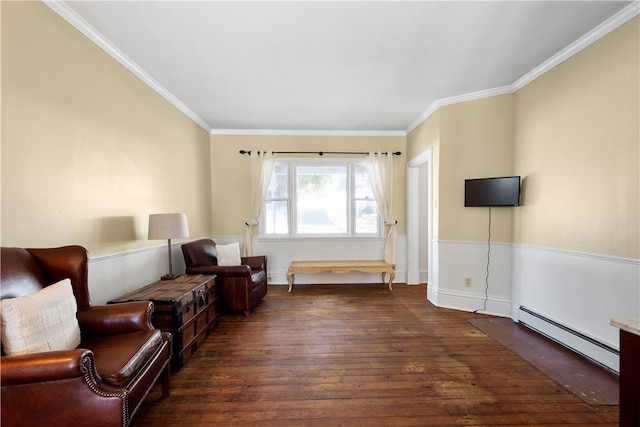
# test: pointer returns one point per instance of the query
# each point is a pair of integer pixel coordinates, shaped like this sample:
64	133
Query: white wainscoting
280	253
433	284
581	291
113	275
459	260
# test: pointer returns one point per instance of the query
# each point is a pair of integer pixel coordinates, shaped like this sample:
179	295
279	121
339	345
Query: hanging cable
486	279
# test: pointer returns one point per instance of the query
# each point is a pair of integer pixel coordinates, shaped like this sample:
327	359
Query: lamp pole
170	275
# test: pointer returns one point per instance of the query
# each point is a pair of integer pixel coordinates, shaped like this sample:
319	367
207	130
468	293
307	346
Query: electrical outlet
467	282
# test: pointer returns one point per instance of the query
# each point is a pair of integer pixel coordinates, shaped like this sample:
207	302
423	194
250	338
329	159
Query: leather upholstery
119	358
103	381
240	288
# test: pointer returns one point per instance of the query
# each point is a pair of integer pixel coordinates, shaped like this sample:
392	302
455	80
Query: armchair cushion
42	321
258	277
228	255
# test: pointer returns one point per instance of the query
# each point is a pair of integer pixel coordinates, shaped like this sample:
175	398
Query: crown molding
488	93
435	105
592	36
69	15
589	38
284	132
502	90
95	36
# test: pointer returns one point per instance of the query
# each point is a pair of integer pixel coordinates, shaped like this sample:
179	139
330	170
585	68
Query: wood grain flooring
360	355
593	384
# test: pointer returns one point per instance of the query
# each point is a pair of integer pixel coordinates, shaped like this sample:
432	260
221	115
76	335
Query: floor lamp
168	226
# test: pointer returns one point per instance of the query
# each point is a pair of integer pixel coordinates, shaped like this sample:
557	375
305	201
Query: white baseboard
473	302
454	262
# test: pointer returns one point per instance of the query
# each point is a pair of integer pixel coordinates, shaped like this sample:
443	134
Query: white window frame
350	164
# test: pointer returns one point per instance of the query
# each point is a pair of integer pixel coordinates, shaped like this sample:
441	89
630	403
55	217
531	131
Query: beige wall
88	149
476	141
424	137
576	142
231	173
470	140
573	136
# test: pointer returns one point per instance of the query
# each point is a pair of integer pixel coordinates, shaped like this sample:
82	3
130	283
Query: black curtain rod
322	153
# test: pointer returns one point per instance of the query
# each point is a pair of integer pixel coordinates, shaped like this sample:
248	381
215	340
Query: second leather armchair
241	287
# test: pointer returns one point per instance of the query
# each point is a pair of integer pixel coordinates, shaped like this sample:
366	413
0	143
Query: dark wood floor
360	355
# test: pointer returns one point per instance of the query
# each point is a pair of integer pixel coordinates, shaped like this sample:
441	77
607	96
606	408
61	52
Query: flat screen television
501	191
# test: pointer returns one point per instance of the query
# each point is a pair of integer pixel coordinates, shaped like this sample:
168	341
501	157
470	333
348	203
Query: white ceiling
324	66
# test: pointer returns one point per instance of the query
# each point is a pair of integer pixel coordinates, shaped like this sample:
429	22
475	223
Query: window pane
321	194
276	217
366	217
362	185
279	182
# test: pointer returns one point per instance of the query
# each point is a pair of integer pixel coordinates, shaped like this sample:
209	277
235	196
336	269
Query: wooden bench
311	267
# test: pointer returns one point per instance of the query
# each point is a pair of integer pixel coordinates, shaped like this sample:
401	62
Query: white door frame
414	187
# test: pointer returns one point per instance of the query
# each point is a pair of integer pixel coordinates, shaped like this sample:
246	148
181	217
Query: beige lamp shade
168	226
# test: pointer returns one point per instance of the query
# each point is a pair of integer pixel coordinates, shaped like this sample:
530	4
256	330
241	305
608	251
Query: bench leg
290	280
392	276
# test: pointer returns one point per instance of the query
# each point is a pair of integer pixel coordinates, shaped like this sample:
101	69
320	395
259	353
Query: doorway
420	253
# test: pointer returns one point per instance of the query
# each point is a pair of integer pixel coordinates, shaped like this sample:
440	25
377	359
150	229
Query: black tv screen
502	191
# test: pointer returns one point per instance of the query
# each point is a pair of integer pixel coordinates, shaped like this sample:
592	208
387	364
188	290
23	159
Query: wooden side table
629	371
184	306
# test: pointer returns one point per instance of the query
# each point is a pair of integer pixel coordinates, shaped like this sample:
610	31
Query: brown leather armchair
241	287
104	380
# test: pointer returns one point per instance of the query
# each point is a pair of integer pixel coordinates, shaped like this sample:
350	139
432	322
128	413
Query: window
320	198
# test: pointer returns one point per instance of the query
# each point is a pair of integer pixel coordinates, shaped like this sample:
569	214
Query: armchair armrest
222	271
39	367
116	318
256	262
53	380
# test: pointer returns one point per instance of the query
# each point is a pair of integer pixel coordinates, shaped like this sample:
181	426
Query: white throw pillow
228	255
42	321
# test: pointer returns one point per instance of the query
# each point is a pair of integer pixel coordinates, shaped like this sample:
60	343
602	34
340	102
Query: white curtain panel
262	163
380	170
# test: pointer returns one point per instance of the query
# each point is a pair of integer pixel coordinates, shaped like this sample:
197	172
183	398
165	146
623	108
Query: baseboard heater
594	350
